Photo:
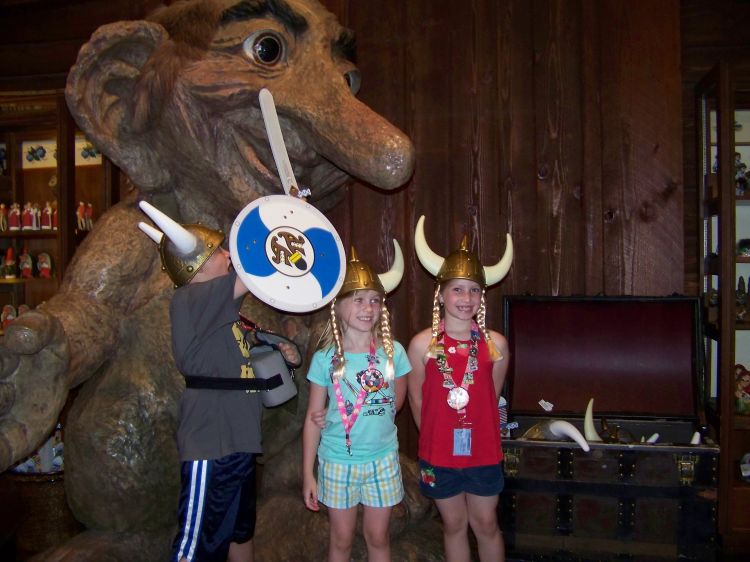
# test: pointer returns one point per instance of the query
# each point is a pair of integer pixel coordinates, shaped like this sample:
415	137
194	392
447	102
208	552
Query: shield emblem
287	253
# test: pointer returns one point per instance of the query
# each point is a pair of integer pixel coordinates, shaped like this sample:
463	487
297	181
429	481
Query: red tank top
438	420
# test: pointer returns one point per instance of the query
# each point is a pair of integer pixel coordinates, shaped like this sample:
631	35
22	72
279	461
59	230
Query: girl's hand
310	493
319	418
290	353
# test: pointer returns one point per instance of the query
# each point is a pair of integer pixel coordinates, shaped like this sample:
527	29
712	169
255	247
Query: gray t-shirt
207	341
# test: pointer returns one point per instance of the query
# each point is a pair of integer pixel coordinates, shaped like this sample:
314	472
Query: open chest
640	359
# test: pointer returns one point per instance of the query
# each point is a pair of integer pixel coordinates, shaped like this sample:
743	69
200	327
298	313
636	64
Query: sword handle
276	139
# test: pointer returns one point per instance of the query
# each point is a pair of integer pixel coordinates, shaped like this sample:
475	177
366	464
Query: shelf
743	259
744	325
741	422
743	200
21	281
29	234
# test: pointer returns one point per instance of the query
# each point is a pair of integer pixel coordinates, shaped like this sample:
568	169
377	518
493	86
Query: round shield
287	253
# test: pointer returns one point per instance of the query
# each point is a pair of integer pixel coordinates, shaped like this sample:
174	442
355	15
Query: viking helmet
461	264
359	276
183	248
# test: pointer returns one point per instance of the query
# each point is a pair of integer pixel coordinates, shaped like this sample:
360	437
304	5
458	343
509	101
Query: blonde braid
495	355
432	348
339	359
387	339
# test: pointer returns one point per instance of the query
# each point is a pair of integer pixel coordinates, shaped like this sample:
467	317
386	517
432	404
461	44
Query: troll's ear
101	95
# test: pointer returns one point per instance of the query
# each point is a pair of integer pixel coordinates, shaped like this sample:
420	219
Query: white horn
588	424
561	428
391	278
696	439
184	240
431	261
495	273
653	439
151	232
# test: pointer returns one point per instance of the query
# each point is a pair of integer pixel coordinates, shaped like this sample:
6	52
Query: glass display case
723	129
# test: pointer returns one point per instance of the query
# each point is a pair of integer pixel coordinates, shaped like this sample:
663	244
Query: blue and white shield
287	253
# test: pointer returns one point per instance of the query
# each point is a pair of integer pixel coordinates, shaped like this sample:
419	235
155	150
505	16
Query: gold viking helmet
461	264
183	248
359	276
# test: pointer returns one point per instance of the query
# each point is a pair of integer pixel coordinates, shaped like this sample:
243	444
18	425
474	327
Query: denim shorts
374	484
439	483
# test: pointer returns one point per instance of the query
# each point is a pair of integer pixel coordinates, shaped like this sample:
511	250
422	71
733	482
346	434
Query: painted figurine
3	217
46	218
742	390
27	217
44	265
14	217
24	264
81	216
9	264
54	215
89	216
8	315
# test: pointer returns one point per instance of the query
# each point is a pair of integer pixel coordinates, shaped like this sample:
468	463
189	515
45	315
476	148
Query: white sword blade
273	129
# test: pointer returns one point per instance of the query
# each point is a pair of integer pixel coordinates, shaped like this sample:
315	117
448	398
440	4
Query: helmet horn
184	240
495	273
153	233
431	261
391	278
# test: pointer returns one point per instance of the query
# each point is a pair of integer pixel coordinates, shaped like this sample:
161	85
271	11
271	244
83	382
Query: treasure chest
648	489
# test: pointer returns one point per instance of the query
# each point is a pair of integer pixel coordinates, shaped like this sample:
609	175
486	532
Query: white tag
546	406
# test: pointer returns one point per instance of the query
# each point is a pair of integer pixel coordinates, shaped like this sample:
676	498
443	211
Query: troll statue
172	100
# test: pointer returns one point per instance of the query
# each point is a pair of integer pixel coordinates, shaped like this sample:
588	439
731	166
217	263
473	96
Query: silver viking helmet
183	248
461	264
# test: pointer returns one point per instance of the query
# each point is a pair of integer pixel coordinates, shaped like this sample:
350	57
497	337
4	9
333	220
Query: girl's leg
376	527
342	523
454	514
483	520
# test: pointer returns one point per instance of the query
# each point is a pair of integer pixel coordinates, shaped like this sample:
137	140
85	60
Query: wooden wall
558	122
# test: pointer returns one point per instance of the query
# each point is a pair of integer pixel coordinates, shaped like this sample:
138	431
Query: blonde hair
432	349
331	338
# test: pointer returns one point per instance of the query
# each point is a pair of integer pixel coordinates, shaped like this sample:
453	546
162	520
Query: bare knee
484	524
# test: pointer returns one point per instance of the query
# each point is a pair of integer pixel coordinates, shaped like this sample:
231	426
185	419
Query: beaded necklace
458	396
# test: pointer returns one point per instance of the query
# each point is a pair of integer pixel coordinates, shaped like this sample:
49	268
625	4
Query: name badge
462	441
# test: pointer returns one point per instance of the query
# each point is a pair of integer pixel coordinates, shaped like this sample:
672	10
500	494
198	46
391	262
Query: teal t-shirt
374	432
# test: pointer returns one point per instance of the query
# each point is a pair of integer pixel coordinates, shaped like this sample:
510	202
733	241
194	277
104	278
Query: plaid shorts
374	484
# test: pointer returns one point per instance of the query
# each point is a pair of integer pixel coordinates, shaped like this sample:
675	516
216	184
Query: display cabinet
52	187
723	128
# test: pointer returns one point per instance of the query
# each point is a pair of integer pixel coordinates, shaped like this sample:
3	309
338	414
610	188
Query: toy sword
276	139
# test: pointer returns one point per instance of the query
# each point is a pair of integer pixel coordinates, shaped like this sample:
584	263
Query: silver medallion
458	398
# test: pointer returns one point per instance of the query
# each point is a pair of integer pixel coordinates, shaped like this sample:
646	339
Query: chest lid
636	356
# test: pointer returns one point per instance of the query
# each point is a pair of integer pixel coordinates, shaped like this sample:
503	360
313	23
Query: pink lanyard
348	419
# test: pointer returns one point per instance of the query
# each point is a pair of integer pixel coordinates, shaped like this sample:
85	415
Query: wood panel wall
556	121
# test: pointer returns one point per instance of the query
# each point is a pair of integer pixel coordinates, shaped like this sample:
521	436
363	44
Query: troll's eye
264	47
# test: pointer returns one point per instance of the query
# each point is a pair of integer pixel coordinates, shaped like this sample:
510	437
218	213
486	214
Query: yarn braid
339	359
495	355
432	348
387	339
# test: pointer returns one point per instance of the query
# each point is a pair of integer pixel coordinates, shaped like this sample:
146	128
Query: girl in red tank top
458	370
